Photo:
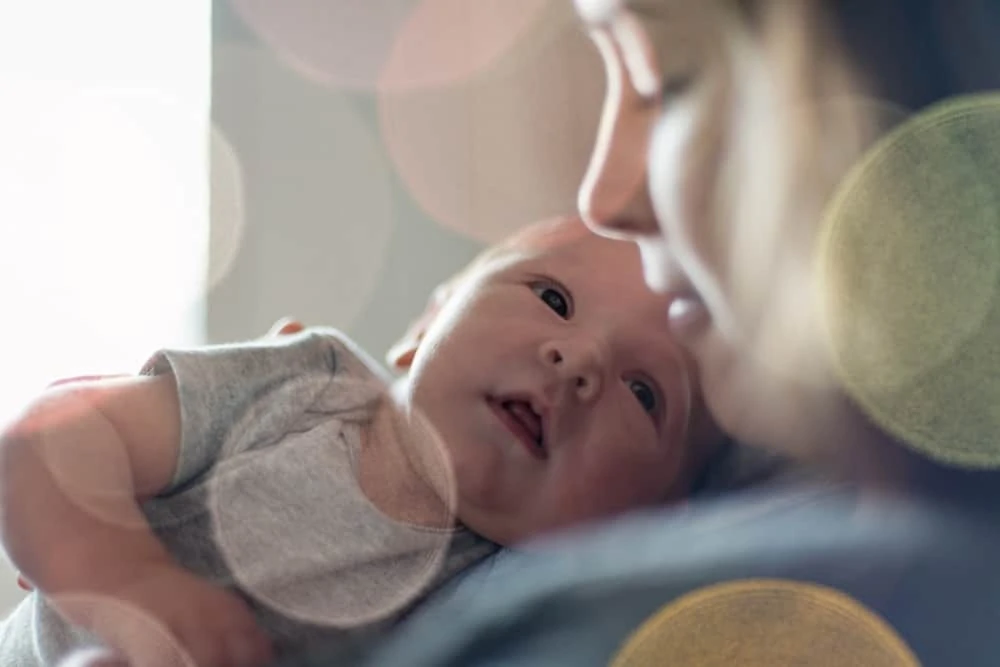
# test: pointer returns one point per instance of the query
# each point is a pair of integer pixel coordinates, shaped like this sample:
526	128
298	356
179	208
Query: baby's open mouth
522	420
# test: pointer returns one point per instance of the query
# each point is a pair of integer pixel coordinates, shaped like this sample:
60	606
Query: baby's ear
286	326
400	355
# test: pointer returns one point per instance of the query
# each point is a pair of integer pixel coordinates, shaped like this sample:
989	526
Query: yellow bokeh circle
910	270
765	623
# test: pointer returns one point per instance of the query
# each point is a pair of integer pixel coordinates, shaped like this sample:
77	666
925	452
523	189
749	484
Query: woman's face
707	156
664	103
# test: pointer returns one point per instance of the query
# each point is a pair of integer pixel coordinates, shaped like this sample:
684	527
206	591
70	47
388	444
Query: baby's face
553	380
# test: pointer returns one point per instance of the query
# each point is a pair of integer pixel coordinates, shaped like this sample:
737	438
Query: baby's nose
579	366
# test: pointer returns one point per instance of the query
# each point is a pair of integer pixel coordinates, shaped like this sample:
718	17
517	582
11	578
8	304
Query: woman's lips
521	420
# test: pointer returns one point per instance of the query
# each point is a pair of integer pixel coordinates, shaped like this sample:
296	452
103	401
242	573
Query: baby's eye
645	394
555	297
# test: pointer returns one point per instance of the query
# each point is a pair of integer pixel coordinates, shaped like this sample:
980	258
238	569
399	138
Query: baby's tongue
523	413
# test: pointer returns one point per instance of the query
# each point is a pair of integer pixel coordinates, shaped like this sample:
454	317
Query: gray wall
331	231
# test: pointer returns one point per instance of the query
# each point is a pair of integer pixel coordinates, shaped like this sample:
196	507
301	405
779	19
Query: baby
236	503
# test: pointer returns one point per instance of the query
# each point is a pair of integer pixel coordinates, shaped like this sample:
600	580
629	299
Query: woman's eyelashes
555	296
675	86
671	90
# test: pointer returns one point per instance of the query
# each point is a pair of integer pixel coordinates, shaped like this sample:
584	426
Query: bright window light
103	186
104	144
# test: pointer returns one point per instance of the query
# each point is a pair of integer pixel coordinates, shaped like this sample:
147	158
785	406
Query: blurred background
174	174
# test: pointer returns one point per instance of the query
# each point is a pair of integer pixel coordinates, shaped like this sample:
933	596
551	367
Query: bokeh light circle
228	207
121	624
342	43
318	199
764	623
83	473
445	42
505	148
910	265
389	44
331	558
100	187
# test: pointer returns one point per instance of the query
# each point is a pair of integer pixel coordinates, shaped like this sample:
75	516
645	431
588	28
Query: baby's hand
172	618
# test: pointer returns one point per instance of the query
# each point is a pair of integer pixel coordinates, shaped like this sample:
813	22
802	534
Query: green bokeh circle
910	264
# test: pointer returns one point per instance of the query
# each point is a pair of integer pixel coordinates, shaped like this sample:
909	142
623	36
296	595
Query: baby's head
548	370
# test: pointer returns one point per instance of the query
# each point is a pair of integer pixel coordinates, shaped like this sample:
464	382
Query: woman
748	114
732	136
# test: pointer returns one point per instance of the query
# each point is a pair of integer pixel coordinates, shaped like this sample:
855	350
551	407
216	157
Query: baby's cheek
637	476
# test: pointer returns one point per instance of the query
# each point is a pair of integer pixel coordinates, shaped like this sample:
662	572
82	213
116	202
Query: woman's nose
578	366
614	196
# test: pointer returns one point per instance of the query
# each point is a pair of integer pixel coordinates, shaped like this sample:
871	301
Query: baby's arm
73	470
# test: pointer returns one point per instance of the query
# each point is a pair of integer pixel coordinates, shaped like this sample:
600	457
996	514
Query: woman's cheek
667	177
685	161
736	396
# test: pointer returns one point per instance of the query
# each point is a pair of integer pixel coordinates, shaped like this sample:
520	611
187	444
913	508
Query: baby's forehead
549	235
609	270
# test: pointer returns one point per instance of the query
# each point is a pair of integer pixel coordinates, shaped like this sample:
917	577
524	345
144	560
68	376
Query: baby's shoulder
346	357
354	384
